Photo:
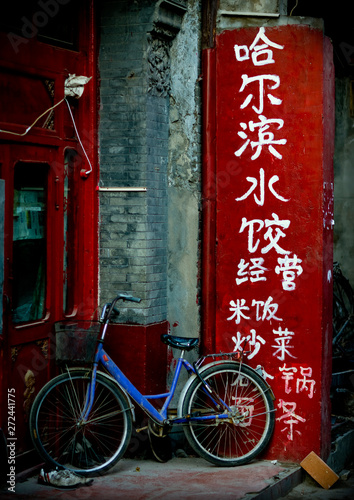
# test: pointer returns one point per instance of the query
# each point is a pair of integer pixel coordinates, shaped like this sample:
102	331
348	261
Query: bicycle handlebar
124	296
109	308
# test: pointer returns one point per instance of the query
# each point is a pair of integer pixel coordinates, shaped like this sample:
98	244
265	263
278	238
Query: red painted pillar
271	272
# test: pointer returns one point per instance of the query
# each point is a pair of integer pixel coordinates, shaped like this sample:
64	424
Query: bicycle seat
179	342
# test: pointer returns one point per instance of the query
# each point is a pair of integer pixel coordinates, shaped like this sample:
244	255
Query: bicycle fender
201	370
109	377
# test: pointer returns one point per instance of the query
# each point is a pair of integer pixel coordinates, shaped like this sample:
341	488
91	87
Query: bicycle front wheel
242	436
63	439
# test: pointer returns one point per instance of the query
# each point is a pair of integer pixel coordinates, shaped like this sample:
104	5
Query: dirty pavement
179	478
190	479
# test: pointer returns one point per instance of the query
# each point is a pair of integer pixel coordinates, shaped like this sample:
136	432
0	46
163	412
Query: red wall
140	354
268	216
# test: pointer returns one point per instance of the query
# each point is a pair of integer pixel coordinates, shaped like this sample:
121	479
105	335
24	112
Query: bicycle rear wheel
232	441
62	440
343	315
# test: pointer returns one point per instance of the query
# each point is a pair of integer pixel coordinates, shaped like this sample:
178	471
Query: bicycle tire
88	449
229	443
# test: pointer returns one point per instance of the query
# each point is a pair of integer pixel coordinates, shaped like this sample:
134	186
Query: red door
50	251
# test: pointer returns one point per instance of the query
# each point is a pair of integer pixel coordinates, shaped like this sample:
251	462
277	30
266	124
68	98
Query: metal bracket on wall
237	13
121	189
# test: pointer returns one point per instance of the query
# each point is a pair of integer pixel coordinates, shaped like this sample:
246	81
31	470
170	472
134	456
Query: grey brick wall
133	153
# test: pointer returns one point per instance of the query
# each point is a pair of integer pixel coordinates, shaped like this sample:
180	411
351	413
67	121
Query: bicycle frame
143	401
82	420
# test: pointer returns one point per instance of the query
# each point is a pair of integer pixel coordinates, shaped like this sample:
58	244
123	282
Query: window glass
29	241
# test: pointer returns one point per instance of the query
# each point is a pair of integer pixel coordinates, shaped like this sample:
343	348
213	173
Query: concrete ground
343	489
191	478
179	478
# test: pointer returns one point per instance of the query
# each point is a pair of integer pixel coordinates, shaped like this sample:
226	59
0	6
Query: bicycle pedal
142	428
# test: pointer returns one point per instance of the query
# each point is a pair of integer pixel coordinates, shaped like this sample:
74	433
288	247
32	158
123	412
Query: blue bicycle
82	419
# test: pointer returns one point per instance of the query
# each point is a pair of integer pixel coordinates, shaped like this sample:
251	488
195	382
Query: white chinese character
265	137
242	51
290	267
260	200
237	309
290	418
288	375
242	272
252	247
265	375
269	309
273	234
305	383
282	347
253	340
256	270
261	79
278	234
245	406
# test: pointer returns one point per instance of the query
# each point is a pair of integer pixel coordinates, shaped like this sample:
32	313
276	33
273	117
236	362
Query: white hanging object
74	85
